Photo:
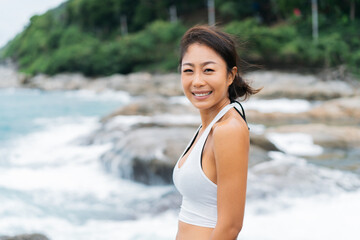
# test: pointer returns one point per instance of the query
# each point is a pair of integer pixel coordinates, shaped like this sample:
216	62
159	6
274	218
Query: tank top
199	193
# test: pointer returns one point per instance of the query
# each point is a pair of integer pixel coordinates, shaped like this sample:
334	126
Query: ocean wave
279	105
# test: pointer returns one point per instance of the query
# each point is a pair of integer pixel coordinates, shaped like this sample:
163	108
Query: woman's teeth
202	94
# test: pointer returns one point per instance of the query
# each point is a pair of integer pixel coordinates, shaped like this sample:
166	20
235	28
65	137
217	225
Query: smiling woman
211	174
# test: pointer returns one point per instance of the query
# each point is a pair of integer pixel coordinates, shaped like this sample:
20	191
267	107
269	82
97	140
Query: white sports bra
199	203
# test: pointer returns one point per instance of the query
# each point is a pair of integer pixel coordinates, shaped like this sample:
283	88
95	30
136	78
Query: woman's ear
231	75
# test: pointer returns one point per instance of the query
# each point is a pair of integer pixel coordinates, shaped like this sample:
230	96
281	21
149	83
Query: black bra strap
243	112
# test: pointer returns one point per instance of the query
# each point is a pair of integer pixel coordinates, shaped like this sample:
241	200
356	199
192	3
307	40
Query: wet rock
338	111
342	110
327	136
58	82
262	142
293	85
137	84
148	155
9	77
277	118
257	155
35	236
146	151
152	105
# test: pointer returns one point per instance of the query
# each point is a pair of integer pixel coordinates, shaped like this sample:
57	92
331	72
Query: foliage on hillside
85	35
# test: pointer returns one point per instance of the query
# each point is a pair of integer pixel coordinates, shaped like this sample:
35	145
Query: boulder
35	236
140	83
153	105
63	81
277	118
137	84
257	155
260	141
293	85
328	136
148	155
9	77
342	110
338	111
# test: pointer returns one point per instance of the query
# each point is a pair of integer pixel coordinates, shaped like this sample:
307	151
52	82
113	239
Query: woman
211	174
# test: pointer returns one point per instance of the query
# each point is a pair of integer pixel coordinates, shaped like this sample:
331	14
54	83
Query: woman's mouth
201	94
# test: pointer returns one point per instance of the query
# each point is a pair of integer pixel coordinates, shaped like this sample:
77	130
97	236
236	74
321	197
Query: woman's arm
231	150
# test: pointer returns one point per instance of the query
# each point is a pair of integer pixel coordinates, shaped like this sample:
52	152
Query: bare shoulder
231	127
231	146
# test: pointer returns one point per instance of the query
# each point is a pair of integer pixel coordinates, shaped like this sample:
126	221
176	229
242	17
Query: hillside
122	36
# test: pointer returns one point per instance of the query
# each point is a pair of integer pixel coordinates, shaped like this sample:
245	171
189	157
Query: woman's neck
207	115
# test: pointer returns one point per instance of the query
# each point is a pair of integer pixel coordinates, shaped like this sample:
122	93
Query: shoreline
331	114
167	84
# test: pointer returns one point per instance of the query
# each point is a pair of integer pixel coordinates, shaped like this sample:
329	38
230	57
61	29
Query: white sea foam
53	144
127	121
316	217
289	176
55	186
51	160
161	227
299	144
278	105
107	95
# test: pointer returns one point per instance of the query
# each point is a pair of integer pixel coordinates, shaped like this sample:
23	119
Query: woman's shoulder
230	141
230	124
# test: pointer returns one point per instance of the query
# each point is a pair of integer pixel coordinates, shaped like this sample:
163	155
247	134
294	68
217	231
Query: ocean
53	183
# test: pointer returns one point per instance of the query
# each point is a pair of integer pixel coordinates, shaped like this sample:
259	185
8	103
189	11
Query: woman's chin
201	105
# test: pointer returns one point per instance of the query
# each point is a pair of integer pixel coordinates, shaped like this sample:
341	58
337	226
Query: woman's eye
187	70
208	70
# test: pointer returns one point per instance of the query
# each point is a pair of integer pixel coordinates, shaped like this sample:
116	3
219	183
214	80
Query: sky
15	15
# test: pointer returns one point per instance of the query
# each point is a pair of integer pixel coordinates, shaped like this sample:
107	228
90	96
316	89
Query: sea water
53	183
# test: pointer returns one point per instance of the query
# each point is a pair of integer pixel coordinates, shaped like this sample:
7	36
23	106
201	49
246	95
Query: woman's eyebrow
208	62
190	64
202	64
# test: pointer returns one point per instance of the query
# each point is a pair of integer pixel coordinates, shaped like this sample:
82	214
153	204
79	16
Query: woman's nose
198	81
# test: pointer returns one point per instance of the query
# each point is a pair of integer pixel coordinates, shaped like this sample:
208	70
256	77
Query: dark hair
225	45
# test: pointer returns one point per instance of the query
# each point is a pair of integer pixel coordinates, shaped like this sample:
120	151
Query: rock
141	84
58	82
262	142
9	77
148	155
277	118
293	85
342	110
35	236
153	105
146	151
338	111
327	136
257	155
137	84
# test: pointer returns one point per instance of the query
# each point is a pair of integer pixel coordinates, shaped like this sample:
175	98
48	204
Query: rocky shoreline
149	133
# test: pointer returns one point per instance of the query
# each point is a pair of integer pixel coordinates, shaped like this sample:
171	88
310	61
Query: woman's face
204	77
